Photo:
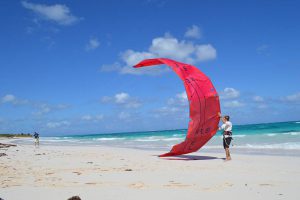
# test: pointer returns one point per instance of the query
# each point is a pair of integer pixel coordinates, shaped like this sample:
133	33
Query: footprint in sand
219	187
177	184
266	184
228	184
91	183
138	185
78	173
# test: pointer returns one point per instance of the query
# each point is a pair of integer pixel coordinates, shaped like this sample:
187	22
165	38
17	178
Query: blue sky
65	66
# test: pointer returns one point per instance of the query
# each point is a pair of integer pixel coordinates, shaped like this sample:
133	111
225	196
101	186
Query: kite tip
136	66
166	155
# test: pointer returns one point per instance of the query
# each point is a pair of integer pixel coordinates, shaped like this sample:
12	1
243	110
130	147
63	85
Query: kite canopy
204	105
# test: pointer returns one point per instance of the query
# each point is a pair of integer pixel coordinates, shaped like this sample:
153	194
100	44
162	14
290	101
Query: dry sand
56	172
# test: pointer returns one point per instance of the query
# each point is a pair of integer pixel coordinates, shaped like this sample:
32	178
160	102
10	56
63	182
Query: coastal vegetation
10	135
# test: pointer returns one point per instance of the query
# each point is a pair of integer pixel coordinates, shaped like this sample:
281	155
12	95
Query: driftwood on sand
6	145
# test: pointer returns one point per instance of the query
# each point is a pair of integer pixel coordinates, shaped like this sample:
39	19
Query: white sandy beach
57	172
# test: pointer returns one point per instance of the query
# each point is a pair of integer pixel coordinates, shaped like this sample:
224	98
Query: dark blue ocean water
269	138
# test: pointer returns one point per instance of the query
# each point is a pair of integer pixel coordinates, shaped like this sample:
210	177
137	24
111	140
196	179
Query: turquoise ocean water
269	138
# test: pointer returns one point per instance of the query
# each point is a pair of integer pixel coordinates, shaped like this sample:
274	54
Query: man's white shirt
227	126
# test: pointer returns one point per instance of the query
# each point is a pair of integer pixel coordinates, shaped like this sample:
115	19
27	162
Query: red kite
204	105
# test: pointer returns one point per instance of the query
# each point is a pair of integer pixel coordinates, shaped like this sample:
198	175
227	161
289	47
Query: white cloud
122	99
44	108
130	58
166	46
9	98
258	99
57	124
99	117
106	99
260	102
205	52
180	99
92	44
12	99
171	47
86	117
172	112
193	32
58	13
38	108
124	115
95	118
182	96
166	111
229	93
294	98
176	108
233	104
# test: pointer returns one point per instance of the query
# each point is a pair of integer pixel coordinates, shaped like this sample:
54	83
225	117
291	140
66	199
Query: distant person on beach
227	134
37	139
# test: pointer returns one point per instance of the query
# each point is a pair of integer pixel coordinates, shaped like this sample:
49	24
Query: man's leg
227	154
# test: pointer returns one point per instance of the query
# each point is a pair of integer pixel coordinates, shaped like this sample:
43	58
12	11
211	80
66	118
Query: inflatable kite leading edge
204	105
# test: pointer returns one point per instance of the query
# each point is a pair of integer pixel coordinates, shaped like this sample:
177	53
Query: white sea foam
177	135
271	134
153	139
284	146
295	133
147	140
234	136
297	122
24	139
50	138
292	133
278	146
55	138
108	139
58	140
171	139
239	136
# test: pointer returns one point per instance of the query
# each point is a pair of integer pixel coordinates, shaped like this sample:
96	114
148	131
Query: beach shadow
192	157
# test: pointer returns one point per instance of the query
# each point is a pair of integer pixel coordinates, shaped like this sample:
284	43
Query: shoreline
235	150
57	172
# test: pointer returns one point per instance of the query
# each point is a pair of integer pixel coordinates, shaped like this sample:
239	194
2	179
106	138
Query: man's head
226	117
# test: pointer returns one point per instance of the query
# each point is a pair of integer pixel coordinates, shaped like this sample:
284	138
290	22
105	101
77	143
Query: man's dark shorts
226	142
